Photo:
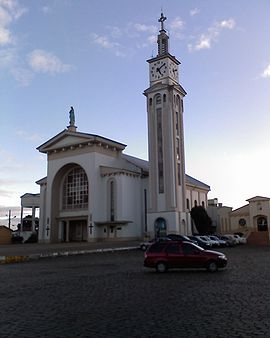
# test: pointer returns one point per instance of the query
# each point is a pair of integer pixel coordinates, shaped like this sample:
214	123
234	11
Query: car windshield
195	246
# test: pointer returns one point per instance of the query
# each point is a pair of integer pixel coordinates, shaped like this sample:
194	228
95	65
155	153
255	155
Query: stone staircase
258	238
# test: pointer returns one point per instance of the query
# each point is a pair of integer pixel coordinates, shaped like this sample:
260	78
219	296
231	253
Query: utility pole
9	216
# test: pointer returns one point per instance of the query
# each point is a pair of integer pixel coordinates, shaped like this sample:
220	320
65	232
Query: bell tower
167	187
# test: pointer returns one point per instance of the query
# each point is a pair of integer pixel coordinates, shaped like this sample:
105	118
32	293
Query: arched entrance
69	204
160	227
262	224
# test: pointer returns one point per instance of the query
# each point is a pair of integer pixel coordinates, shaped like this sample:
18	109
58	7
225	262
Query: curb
26	258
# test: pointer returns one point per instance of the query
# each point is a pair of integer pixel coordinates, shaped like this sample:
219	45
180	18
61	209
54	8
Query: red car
169	255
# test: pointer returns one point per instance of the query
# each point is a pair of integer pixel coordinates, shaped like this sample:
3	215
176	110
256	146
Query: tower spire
163	39
161	20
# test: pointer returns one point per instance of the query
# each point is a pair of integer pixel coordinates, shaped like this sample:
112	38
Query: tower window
160	151
158	99
164	98
177	123
150	102
179	173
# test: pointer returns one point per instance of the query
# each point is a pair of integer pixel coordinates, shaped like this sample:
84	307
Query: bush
16	239
32	239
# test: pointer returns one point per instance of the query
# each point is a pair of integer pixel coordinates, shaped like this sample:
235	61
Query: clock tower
167	187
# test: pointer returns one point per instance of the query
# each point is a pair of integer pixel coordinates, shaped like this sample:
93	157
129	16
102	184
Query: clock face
173	71
158	70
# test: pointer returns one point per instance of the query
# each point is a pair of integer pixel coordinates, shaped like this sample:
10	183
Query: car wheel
143	247
212	266
161	267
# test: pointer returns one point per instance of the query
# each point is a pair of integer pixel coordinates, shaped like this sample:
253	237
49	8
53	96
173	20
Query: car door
174	255
193	256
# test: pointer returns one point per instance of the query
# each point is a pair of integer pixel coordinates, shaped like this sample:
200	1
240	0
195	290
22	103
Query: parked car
229	241
210	241
201	242
235	241
176	254
176	237
221	241
240	239
144	245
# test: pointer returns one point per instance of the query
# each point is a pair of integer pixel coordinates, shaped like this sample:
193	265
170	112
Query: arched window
188	204
150	102
75	190
158	99
160	227
262	224
164	98
112	199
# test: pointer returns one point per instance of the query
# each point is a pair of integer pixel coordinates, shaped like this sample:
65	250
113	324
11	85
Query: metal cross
161	20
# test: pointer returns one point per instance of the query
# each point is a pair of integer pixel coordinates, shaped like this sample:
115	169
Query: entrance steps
258	238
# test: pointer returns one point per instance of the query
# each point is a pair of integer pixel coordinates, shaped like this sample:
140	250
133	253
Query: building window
164	98
182	106
158	99
179	173
177	123
150	102
160	151
112	200
187	204
75	190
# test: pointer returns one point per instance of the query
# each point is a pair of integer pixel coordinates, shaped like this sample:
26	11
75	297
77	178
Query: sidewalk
14	253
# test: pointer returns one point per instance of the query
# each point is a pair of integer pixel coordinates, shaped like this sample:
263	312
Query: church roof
68	138
258	198
194	182
144	165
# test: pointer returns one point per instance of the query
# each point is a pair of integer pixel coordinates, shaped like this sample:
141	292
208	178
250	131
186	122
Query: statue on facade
71	117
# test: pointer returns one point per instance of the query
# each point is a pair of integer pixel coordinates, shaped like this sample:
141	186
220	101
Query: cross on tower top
161	20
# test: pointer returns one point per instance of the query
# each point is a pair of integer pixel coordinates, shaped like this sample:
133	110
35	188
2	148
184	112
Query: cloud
28	136
206	40
105	42
46	10
266	72
42	61
10	11
145	28
194	11
116	39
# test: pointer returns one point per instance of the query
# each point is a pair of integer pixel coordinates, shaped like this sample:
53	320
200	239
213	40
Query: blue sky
92	55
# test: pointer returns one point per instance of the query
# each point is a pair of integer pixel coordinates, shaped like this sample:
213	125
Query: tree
202	220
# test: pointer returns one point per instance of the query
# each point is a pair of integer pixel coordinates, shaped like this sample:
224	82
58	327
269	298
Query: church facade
94	191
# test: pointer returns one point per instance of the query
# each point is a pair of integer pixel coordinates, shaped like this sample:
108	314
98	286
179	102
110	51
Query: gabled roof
68	138
244	210
258	199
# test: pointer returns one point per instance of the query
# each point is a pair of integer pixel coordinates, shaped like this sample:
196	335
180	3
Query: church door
262	224
160	227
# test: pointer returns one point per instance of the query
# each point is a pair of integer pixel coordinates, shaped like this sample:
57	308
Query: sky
92	55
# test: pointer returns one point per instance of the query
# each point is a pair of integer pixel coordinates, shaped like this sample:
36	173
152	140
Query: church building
94	191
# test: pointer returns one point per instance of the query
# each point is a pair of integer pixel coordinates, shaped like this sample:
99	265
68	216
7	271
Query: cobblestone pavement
113	295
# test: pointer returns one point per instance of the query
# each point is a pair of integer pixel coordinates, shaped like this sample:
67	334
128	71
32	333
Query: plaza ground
111	294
